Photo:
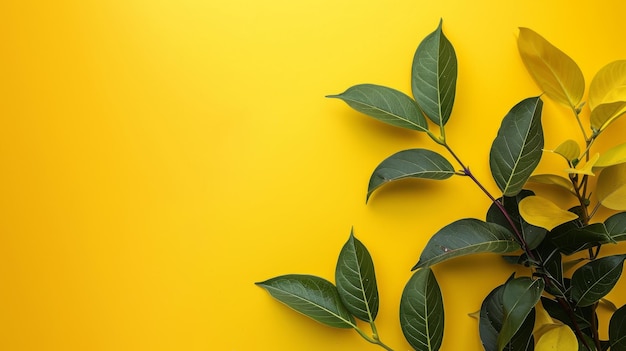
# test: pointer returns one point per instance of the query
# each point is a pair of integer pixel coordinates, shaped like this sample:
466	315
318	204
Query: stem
594	327
582	129
579	334
374	340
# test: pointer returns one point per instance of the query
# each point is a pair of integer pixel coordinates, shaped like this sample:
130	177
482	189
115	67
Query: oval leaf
516	151
595	279
612	157
560	338
356	280
605	114
543	213
312	296
555	73
433	78
421	311
617	330
412	163
569	149
465	237
608	85
569	238
519	297
616	226
386	105
553	179
611	187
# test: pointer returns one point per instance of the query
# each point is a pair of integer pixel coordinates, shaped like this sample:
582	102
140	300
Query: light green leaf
543	213
611	187
595	279
616	226
465	237
617	330
608	85
421	311
412	163
386	105
433	78
560	338
312	296
587	169
569	149
519	297
516	151
605	114
356	280
554	72
612	157
553	179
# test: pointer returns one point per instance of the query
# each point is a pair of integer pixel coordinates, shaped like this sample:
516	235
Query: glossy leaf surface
556	74
466	237
385	104
611	187
312	296
570	238
543	213
561	338
516	151
553	179
434	74
617	330
608	85
616	226
356	280
605	114
613	156
421	311
569	149
595	279
412	163
519	297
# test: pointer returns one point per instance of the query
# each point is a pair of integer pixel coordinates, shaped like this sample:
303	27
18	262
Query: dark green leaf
595	279
434	74
312	296
519	297
385	104
421	311
617	330
569	238
516	151
465	237
552	267
356	280
556	311
533	235
616	226
412	163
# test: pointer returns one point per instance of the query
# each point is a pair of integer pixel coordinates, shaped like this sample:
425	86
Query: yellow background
159	157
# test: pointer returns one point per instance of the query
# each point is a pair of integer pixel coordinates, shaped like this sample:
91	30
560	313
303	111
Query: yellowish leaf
561	338
612	156
608	85
587	169
552	179
611	187
569	149
543	321
543	213
605	114
608	304
475	315
554	72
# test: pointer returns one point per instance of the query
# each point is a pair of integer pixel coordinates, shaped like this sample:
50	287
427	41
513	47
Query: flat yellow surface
159	157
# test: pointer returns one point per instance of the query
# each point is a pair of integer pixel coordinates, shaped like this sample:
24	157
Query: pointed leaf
466	237
554	72
612	157
561	338
421	311
312	296
385	104
569	149
543	213
611	187
605	114
519	297
587	169
516	151
570	238
356	280
553	179
434	74
616	226
557	312
544	322
617	330
412	163
595	279
608	85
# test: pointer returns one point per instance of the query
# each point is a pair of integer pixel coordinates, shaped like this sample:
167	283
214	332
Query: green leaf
386	105
570	238
312	296
433	78
616	226
595	279
569	149
519	297
553	179
356	280
554	72
516	151
492	315
561	338
608	85
605	114
612	156
421	311
412	163
556	311
465	237
617	330
611	187
543	213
